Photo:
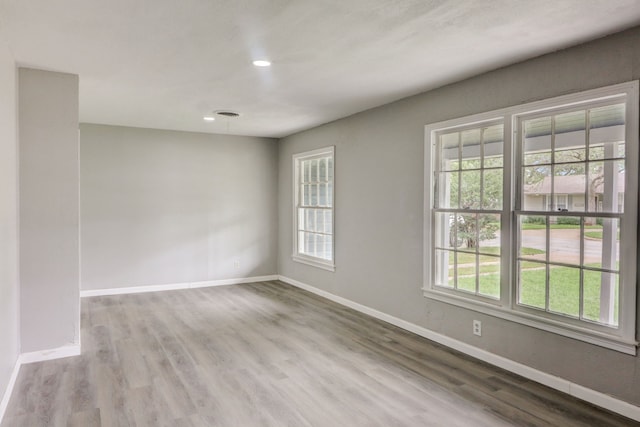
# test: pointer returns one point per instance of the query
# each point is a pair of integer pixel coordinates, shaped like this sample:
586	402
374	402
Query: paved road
564	245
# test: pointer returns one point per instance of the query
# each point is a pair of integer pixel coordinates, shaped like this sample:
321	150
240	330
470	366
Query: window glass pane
301	242
330	194
320	246
489	276
489	234
322	165
606	132
314	170
533	237
564	290
314	195
328	247
564	239
309	244
447	190
445	230
319	214
306	195
606	186
301	216
322	196
444	268
489	285
330	168
470	189
493	137
470	140
310	220
536	187
328	222
492	189
448	151
557	202
537	141
466	232
575	202
532	284
570	137
306	166
467	272
602	243
493	161
568	180
601	297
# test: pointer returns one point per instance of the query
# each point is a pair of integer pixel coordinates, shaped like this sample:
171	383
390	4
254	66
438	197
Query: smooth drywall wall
163	207
9	326
49	218
379	172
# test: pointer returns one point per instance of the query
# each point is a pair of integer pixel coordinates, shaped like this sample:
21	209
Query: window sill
315	262
582	334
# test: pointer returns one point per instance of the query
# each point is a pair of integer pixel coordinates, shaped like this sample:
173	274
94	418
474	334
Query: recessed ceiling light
208	118
261	63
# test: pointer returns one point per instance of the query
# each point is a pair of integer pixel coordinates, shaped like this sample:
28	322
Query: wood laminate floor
268	354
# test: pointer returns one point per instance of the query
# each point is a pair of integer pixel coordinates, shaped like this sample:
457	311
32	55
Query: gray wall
162	207
49	218
379	208
9	326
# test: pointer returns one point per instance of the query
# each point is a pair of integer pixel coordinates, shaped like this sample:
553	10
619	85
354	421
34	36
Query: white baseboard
55	353
9	390
174	286
595	397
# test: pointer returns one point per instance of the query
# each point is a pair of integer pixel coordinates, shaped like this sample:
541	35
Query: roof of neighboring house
568	184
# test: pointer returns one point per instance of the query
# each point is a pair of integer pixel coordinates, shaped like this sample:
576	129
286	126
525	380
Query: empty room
319	213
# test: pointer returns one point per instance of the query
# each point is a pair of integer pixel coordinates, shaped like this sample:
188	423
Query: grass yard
597	234
469	256
564	284
528	226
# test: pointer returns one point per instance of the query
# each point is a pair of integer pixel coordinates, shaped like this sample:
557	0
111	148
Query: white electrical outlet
477	328
236	264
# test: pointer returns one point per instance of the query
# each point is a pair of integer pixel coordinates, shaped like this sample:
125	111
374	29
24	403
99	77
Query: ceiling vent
227	113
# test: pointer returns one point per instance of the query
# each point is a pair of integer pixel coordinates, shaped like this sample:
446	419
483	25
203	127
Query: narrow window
313	207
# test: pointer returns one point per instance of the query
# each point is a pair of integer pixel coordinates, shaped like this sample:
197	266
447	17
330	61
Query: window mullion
546	269
509	178
552	167
459	172
581	290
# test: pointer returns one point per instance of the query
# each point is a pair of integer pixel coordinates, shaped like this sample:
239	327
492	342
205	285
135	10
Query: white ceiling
166	63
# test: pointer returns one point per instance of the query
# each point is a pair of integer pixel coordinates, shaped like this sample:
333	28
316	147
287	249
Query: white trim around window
498	249
313	208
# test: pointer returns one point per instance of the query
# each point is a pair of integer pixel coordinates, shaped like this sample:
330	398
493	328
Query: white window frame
622	338
297	255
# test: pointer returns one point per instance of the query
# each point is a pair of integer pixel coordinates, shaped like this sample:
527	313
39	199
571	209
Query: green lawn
528	226
597	234
564	291
564	284
469	257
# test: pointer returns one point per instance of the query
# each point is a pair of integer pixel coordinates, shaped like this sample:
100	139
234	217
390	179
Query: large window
467	208
531	214
313	207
